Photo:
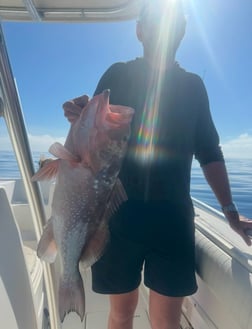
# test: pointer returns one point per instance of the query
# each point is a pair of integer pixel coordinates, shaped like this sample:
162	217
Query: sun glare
147	149
148	132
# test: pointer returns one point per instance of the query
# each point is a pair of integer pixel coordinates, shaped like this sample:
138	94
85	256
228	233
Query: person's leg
118	274
165	312
122	309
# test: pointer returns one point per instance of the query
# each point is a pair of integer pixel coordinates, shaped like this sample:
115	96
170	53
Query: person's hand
72	109
240	225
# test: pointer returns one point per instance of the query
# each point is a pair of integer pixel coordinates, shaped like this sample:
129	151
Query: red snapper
87	192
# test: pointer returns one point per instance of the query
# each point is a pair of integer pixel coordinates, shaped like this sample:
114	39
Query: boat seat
21	275
9	186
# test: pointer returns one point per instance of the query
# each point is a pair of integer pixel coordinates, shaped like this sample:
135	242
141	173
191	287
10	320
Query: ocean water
240	177
239	171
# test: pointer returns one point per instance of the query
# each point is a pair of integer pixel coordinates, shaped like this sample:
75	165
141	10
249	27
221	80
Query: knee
123	312
121	317
122	307
165	312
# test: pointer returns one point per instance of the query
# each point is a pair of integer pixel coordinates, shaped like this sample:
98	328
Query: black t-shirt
184	128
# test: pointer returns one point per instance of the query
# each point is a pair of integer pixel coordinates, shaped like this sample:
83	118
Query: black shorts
163	251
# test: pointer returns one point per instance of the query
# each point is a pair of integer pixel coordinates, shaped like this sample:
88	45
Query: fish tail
71	298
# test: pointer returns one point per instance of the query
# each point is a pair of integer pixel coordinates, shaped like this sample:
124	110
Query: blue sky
56	62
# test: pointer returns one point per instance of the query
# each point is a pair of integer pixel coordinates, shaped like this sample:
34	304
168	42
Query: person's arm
210	157
217	177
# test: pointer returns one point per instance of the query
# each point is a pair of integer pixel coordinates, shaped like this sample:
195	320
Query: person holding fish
153	231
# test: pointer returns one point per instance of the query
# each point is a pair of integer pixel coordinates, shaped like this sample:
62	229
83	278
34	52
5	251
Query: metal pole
13	116
32	9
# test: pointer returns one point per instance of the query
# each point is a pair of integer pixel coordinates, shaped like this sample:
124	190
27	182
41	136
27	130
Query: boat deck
97	310
223	263
18	215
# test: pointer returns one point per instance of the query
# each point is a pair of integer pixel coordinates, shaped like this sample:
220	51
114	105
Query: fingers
243	235
71	111
248	232
243	230
73	108
246	226
246	238
81	101
240	225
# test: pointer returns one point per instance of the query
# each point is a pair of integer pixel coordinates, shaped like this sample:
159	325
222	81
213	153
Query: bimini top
68	11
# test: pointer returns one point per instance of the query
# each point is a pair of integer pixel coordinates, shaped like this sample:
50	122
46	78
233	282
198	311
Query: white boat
28	286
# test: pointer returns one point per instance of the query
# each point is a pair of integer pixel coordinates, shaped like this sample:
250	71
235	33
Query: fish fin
117	197
47	249
97	242
95	246
71	298
59	151
47	172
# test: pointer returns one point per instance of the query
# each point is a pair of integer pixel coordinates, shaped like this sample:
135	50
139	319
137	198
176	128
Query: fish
87	193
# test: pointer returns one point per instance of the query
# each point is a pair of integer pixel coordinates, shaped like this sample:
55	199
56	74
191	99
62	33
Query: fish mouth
112	116
119	115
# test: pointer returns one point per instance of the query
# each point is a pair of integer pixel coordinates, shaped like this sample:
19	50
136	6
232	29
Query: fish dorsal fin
48	171
117	197
59	151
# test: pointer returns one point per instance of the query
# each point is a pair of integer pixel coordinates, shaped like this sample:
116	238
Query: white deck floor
97	309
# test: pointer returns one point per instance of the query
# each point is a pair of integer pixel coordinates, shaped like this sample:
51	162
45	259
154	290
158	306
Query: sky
55	62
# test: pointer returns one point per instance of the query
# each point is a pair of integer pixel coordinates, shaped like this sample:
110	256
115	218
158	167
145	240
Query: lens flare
165	35
147	137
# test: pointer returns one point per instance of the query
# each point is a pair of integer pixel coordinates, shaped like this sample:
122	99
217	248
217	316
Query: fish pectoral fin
59	151
117	197
47	249
47	172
